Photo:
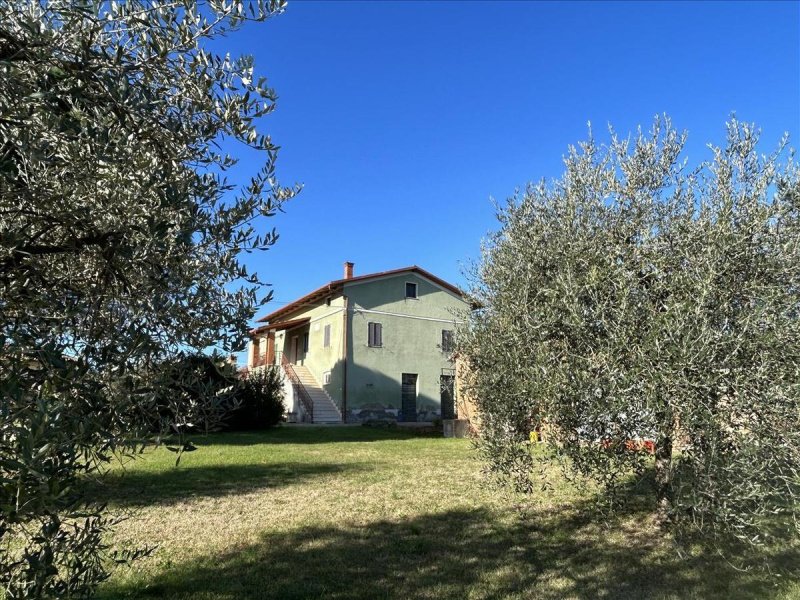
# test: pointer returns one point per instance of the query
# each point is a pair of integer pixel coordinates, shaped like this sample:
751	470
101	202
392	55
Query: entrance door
447	396
295	350
408	396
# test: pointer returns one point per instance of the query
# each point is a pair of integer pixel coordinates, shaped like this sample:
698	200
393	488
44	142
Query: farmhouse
366	347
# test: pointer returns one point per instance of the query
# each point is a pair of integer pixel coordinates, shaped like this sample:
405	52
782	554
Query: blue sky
403	119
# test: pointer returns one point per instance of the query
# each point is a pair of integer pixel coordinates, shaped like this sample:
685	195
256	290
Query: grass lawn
304	512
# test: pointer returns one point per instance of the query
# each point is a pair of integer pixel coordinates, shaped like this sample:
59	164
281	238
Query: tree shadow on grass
309	434
456	554
137	488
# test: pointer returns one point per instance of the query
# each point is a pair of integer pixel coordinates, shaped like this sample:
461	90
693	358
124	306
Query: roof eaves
336	286
413	268
320	292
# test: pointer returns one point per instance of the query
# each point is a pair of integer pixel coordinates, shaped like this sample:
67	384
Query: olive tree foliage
120	247
636	299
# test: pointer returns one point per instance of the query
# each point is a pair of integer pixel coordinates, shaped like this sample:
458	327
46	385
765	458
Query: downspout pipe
344	362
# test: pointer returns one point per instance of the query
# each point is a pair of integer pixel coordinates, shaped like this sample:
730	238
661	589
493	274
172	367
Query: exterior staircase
325	411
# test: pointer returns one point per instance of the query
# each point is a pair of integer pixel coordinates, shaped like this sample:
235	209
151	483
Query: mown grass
362	513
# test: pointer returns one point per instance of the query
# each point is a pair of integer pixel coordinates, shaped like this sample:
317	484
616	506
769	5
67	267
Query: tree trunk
663	477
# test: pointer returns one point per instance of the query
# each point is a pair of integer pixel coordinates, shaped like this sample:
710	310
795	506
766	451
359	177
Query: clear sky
404	119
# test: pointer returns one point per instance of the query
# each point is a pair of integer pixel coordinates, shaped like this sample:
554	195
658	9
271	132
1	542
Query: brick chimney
348	270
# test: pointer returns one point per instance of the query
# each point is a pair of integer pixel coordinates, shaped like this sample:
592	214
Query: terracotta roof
281	325
336	286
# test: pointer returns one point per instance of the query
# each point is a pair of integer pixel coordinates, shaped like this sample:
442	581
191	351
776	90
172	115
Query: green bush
196	392
259	402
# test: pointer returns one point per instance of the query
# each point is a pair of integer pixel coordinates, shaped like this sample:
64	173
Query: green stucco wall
318	359
412	337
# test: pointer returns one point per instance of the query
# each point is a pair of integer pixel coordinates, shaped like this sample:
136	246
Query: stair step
325	411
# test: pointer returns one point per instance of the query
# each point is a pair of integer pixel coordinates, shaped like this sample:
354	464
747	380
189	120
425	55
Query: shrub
259	402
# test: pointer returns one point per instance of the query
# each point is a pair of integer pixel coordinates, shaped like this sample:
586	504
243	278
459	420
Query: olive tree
638	299
120	247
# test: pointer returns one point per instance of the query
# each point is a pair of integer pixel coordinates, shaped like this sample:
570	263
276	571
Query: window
411	290
375	335
447	341
326	337
326	377
305	342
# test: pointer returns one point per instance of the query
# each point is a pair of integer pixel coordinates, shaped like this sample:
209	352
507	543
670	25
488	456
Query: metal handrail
297	386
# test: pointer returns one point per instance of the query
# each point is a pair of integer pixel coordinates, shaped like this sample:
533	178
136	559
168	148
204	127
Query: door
408	396
447	396
295	349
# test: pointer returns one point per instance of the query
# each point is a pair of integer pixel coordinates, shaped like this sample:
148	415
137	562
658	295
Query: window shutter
327	336
374	334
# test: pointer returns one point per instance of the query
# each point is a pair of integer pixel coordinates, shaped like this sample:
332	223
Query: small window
375	335
411	290
305	342
326	377
447	341
326	337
